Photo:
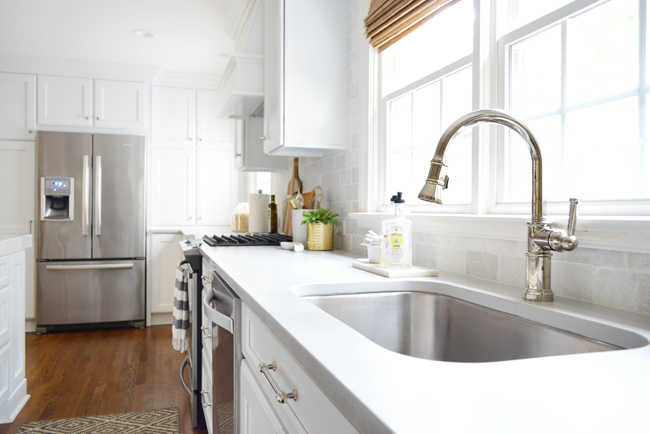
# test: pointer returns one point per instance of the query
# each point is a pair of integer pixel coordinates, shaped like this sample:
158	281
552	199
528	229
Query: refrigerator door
83	292
118	217
65	155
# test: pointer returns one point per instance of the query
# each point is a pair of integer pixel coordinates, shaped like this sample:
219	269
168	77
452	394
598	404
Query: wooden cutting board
294	186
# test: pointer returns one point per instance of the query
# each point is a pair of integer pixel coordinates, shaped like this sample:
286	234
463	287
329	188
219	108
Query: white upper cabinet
173	117
17	106
249	149
173	187
215	187
305	77
210	130
78	102
65	101
119	104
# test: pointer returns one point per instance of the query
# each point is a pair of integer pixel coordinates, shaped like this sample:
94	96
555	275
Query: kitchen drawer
257	416
312	412
206	394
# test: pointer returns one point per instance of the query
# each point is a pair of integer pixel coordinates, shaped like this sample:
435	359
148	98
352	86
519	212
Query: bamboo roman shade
388	21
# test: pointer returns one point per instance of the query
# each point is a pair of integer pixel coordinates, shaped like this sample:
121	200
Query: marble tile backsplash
612	278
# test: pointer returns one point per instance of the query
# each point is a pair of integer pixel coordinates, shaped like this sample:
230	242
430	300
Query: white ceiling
189	33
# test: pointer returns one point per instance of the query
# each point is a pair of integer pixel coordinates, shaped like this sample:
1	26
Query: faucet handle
573	216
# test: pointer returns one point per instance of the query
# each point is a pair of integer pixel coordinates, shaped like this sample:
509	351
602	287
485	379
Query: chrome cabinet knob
261	137
97	117
87	117
30	131
200	139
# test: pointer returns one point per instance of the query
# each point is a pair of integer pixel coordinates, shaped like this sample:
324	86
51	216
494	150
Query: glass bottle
273	216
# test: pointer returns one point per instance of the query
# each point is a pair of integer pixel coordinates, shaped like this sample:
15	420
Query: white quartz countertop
380	391
14	243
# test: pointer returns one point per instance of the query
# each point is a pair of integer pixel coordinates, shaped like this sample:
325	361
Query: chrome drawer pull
206	279
279	394
203	329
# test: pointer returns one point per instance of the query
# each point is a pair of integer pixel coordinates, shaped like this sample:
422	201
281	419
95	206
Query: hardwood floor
88	373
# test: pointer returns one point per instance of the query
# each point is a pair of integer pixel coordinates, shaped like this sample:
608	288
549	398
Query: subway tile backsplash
612	278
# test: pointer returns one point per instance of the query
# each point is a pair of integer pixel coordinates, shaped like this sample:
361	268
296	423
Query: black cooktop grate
246	240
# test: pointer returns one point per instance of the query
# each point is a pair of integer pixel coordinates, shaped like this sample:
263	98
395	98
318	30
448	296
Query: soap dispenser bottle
396	238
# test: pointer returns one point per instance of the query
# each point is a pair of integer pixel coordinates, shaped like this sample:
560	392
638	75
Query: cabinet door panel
215	187
17	106
65	101
119	104
210	130
165	253
174	117
17	170
173	187
273	76
257	416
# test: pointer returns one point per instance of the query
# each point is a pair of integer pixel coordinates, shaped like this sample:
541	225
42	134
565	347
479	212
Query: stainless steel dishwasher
223	307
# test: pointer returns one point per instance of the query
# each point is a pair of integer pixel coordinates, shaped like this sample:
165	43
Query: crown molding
234	60
237	16
27	64
194	80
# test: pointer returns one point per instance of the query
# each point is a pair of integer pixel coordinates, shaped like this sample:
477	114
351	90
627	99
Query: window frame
621	233
490	64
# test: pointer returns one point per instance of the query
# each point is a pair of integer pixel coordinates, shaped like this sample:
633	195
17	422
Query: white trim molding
76	68
187	79
627	234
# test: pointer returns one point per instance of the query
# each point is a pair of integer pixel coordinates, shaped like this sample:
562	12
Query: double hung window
574	71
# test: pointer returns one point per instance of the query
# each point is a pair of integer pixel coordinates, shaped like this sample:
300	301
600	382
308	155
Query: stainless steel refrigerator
90	238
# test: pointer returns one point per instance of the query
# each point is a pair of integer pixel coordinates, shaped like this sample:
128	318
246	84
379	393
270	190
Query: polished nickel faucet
541	237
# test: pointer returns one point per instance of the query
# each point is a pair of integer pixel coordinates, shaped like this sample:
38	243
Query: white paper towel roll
258	219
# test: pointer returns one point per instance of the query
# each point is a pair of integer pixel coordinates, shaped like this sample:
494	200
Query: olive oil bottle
273	216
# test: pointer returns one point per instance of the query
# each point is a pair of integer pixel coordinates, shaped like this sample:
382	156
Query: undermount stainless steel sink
439	327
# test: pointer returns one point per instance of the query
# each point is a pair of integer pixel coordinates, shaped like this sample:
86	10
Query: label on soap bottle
396	247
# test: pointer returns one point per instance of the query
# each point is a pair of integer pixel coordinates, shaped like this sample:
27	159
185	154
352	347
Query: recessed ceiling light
142	33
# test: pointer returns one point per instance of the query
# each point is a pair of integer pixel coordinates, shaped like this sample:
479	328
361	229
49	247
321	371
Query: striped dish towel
181	312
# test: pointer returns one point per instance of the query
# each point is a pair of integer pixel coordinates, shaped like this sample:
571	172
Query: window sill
628	234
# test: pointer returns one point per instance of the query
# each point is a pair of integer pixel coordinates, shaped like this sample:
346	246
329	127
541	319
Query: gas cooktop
246	240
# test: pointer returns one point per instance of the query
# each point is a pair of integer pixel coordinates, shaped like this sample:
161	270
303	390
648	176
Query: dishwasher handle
223	321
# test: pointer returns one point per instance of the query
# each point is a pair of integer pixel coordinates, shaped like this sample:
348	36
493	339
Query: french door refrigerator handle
223	321
98	195
89	267
85	199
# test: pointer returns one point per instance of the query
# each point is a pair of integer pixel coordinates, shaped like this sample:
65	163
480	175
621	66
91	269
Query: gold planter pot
320	236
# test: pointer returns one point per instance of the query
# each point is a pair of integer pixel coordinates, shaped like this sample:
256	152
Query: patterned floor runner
160	421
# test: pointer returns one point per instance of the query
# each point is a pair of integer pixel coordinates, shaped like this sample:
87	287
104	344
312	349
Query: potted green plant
320	229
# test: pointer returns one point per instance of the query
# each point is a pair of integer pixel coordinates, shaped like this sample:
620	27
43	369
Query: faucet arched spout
541	237
436	181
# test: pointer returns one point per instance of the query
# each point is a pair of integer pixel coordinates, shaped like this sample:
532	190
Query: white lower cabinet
165	255
257	416
312	412
13	385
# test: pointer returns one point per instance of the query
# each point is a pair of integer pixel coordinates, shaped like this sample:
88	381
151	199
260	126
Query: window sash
560	17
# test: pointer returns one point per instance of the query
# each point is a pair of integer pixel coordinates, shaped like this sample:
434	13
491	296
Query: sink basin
440	327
